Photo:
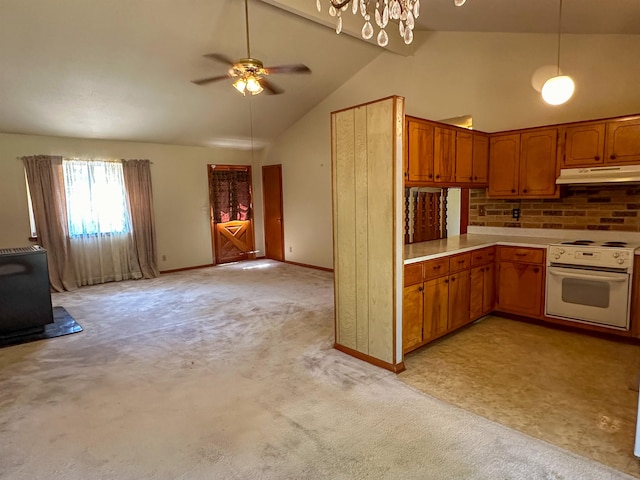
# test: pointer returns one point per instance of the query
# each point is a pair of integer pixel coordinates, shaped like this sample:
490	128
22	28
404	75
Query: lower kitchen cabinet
458	299
412	308
482	291
520	281
436	308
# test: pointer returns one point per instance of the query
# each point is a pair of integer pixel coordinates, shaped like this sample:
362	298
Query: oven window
585	292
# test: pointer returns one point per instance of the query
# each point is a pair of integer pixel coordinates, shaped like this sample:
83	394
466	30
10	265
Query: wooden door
459	289
444	154
231	207
419	151
273	224
584	145
436	308
520	288
476	297
504	165
538	163
480	158
412	308
464	157
623	142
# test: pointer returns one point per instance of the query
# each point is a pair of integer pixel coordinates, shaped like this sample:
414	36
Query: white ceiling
120	69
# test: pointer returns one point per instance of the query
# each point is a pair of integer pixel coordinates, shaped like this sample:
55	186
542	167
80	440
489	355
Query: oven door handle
589	277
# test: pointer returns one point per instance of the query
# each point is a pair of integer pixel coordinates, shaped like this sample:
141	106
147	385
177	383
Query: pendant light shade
557	90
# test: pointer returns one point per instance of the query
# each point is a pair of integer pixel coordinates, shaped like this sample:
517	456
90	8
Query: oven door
588	296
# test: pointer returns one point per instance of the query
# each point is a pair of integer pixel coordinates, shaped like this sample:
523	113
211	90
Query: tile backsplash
612	208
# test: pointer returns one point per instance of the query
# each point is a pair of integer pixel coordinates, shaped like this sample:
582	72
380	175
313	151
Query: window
95	197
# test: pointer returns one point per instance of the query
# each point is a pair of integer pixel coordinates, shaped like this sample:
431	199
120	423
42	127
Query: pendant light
557	90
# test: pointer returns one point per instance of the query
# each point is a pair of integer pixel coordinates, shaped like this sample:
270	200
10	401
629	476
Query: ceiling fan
249	72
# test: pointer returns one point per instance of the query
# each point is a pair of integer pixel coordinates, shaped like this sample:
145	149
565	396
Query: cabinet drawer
412	274
522	254
436	268
483	256
459	262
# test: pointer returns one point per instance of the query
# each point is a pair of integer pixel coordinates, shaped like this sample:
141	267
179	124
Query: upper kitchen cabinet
584	145
623	142
595	144
524	164
538	165
472	158
504	165
418	159
444	154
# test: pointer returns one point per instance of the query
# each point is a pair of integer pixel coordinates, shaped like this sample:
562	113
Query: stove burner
579	242
614	244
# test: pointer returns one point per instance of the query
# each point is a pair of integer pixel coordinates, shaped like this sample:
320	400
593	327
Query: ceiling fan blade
270	88
288	69
204	81
219	57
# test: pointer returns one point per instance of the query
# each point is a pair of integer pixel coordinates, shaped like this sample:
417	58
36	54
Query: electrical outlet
481	211
290	249
164	258
515	213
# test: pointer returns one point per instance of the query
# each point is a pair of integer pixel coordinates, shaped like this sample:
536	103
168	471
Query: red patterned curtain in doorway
231	195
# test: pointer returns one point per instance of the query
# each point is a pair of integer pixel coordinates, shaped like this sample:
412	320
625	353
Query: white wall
179	177
485	75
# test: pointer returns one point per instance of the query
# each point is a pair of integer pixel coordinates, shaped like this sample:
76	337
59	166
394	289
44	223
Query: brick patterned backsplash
612	208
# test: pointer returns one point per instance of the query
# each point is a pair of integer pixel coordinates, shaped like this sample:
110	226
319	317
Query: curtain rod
120	159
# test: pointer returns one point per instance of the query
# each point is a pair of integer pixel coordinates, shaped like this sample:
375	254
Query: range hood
599	175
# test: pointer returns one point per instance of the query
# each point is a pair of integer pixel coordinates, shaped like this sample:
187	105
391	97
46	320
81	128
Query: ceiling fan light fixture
240	85
253	85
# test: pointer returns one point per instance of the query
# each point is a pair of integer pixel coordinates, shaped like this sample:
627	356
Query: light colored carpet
228	373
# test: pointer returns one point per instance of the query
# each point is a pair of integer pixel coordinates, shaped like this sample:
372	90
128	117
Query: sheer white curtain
101	241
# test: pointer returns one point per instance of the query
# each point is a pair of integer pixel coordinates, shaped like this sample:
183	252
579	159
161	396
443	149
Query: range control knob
561	251
556	256
616	254
621	261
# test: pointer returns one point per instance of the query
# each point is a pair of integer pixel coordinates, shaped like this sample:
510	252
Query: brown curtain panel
46	184
137	180
231	195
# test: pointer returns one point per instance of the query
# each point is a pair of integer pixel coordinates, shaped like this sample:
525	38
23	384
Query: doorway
231	207
273	223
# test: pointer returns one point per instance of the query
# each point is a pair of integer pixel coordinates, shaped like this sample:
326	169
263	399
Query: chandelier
405	11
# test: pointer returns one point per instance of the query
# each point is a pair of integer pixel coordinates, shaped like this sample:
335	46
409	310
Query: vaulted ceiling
121	69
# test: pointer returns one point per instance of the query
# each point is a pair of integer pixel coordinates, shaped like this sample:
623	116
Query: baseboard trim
395	368
187	268
315	267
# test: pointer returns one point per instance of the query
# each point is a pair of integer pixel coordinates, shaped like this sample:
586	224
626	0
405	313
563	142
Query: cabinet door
480	158
538	163
489	289
623	142
412	308
464	157
520	288
444	154
476	297
584	146
504	163
459	284
436	307
419	151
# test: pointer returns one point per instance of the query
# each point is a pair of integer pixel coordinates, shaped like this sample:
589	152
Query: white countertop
479	237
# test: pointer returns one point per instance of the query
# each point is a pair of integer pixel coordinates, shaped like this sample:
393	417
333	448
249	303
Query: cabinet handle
446	281
513	191
437	267
597	157
536	270
612	157
475	178
453	279
524	190
437	176
460	261
471	178
521	254
406	174
430	176
420	289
